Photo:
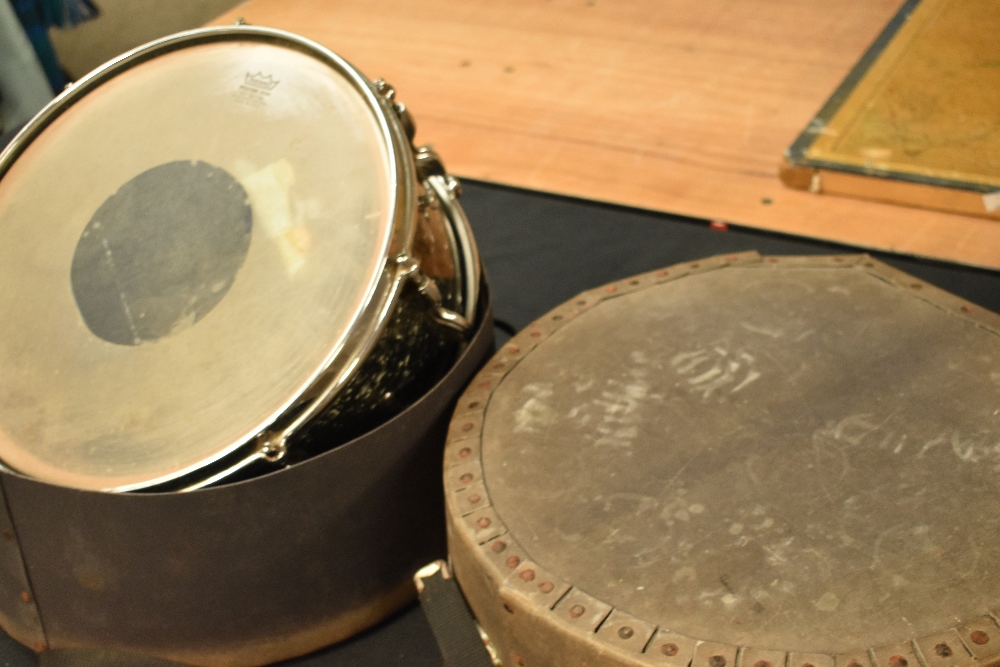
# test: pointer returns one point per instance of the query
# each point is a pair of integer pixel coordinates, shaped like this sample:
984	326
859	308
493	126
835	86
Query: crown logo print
260	81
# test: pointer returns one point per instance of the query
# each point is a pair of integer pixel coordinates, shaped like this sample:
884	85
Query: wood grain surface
684	106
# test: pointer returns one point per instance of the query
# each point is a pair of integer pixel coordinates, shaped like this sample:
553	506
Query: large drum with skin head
737	462
236	302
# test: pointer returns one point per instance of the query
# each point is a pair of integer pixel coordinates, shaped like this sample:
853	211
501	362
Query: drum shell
243	574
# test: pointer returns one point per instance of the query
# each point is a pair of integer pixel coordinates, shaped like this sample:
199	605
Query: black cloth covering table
540	250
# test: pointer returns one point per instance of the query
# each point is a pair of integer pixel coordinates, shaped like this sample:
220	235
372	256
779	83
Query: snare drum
737	462
222	255
220	249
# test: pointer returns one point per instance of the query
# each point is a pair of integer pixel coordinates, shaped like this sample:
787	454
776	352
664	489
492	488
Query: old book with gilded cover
917	121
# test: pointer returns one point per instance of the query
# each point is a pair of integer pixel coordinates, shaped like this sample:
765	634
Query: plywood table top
683	106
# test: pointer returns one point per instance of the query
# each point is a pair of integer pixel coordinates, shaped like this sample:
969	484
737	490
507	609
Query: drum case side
247	573
536	619
18	610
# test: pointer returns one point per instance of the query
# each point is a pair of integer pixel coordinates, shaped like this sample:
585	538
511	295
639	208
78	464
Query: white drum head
184	249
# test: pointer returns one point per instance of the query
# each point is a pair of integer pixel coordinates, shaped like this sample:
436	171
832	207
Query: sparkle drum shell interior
227	271
738	462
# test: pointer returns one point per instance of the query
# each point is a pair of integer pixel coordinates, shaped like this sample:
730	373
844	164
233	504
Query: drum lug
388	93
410	270
428	200
273	449
406	120
428	163
442	192
385	89
407	267
452	319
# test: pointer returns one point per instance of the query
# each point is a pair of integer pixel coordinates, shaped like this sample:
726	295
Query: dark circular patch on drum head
161	253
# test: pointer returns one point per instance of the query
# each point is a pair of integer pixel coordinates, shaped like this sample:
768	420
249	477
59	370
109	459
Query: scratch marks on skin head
615	422
752	375
620	403
929	445
535	414
964	450
709	370
775	333
764	331
834	439
852	429
866	429
805	334
731	596
641	502
975	448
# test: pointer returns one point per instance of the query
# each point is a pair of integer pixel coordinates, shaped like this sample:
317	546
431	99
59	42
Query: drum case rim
410	166
536	618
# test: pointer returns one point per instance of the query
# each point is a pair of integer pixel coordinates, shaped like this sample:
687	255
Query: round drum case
740	462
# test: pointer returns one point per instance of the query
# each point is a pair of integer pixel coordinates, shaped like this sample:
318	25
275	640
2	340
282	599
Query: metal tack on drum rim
237	303
741	461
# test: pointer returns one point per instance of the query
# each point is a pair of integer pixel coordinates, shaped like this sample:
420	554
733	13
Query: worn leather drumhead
738	457
182	250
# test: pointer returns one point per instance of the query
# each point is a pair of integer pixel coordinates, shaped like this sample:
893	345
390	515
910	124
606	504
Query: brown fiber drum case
740	462
236	306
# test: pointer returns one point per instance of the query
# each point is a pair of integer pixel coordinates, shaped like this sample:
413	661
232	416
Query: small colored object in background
915	122
37	16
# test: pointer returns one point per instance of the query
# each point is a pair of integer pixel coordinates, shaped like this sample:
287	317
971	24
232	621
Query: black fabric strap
450	619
